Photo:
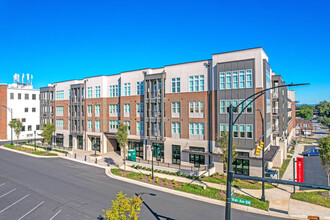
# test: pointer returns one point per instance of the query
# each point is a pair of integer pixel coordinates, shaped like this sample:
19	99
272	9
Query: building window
89	125
175	109
59	95
89	109
176	128
37	127
26	109
249	131
59	110
97	125
11	95
90	92
113	125
235	104
97	109
176	154
23	128
196	128
248	78
241	166
26	96
249	106
97	91
19	96
222	106
34	97
235	80
33	109
196	83
235	131
222	129
175	85
196	109
228	103
69	94
59	123
114	91
70	140
139	109
242	106
242	131
69	121
69	110
128	124
139	127
127	108
139	88
23	119
127	89
80	142
196	158
29	127
242	78
114	109
228	80
222	81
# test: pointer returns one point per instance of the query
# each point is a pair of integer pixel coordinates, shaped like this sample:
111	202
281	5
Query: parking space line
55	214
13	203
31	210
7	193
2	184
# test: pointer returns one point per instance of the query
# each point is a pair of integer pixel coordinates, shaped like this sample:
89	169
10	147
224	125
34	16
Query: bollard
66	154
75	156
95	160
85	158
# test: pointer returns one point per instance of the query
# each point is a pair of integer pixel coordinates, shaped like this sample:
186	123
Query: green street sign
232	193
241	201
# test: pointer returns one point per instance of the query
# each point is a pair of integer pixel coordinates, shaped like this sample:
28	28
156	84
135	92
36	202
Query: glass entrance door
96	143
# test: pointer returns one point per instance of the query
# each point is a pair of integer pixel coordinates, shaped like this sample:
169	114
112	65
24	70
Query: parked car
271	173
311	152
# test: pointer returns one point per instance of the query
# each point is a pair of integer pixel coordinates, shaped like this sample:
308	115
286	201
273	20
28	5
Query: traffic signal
259	148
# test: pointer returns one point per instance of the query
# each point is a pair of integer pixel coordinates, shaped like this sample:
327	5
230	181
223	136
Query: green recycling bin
131	155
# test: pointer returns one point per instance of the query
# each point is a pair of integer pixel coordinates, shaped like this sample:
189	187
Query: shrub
133	166
148	169
164	171
157	180
165	183
165	180
144	168
156	170
149	178
184	175
141	176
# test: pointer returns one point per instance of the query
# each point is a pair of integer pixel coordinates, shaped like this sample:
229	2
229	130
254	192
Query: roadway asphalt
34	188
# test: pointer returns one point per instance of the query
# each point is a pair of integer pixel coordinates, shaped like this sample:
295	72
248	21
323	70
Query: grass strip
29	150
316	197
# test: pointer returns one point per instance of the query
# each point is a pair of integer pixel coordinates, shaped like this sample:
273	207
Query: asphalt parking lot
18	202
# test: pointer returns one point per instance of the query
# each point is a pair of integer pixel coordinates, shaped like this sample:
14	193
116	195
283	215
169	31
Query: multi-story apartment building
304	127
23	101
179	110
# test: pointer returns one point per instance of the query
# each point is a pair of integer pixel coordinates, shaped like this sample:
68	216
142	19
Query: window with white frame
175	109
222	80
235	128
114	109
242	106
228	80
175	85
97	125
97	91
59	110
228	103
89	109
235	104
222	129
59	123
89	125
113	125
60	95
139	88
97	110
196	83
242	79
139	127
196	131
127	109
196	109
242	131
235	79
128	124
249	131
114	90
249	106
127	89
139	109
249	78
89	92
176	130
222	106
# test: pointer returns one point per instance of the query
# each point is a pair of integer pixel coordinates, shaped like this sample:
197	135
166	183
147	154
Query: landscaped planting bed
190	188
317	197
29	150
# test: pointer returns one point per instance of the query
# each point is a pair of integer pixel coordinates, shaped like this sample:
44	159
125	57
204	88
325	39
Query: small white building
24	102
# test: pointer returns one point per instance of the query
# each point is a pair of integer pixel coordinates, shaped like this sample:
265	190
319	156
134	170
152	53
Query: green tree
323	108
305	112
17	126
124	208
121	137
324	144
223	143
47	132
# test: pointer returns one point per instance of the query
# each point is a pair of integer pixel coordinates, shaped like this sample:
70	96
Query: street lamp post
35	142
230	173
152	162
263	156
11	116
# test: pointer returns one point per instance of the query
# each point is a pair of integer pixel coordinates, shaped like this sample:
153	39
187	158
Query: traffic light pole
263	156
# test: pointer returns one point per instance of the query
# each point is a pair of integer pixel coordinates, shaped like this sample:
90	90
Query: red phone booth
300	169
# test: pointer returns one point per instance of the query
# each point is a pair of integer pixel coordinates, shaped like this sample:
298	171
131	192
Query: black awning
271	153
199	152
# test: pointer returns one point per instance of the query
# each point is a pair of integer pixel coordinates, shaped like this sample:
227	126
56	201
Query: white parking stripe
14	203
2	184
7	193
55	214
31	210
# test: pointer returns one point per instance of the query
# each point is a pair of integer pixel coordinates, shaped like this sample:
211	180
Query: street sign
232	193
300	169
241	201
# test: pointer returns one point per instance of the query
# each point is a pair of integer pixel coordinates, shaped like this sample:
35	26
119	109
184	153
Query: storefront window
196	158
176	154
158	151
241	166
138	146
80	142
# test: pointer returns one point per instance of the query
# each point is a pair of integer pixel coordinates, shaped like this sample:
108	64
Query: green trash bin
131	155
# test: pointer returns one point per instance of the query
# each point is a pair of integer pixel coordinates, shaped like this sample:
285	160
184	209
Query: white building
24	102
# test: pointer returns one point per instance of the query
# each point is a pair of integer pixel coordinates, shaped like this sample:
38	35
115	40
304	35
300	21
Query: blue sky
57	40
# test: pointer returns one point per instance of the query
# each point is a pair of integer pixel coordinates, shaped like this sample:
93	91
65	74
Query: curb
27	154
